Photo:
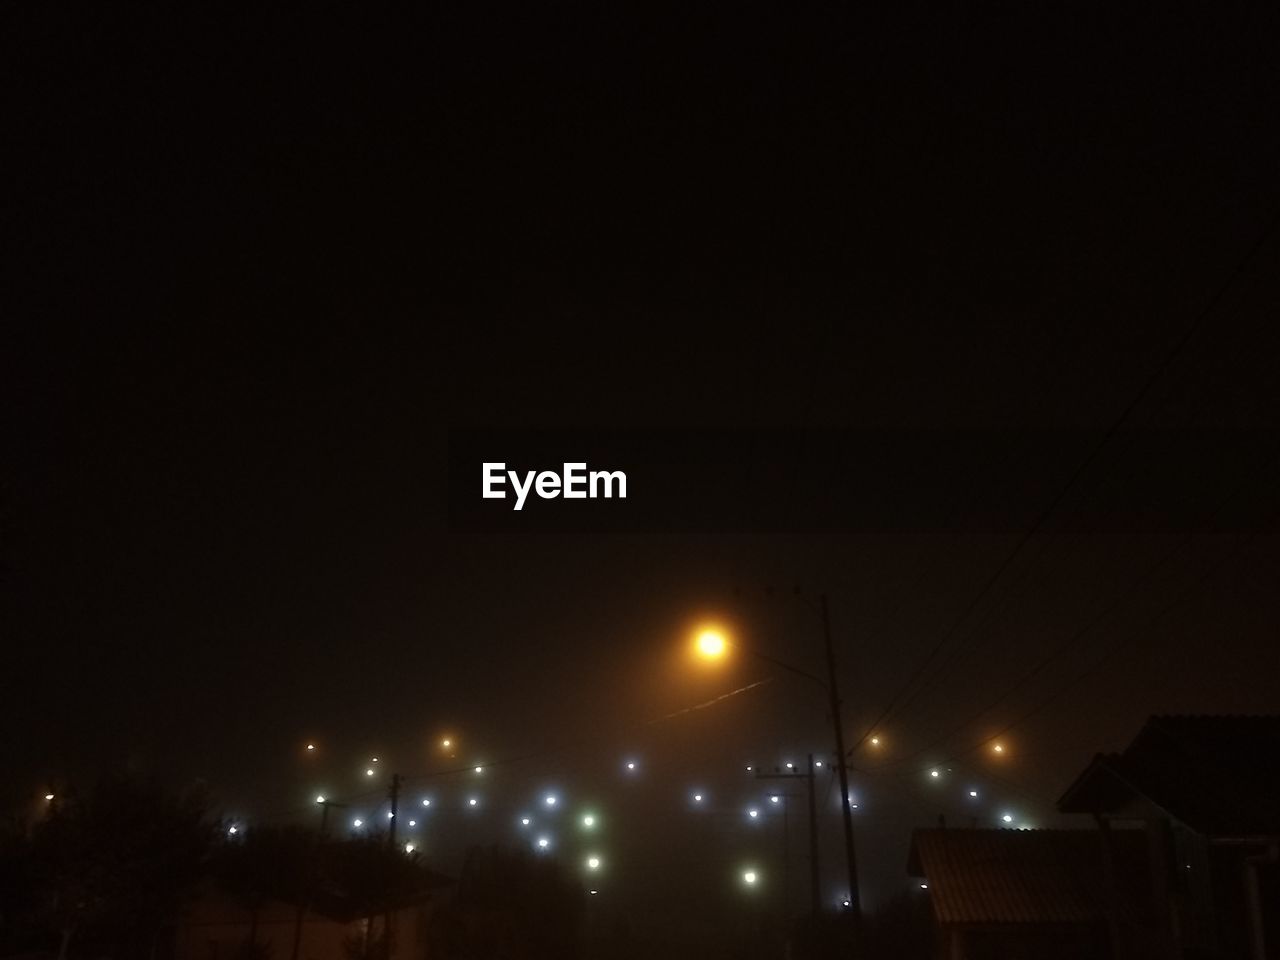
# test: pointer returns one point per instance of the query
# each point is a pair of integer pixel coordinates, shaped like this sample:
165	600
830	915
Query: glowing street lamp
543	843
550	800
320	798
749	877
711	644
593	863
589	821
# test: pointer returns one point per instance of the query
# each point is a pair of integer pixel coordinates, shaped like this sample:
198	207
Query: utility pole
324	816
814	898
389	916
851	861
815	905
394	796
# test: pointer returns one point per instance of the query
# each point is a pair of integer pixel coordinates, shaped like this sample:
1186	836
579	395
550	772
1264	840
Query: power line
1080	469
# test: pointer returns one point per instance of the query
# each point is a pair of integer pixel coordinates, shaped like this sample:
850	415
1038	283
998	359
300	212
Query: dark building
1021	894
1206	791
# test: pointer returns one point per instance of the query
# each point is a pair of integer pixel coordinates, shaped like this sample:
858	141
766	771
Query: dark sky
263	266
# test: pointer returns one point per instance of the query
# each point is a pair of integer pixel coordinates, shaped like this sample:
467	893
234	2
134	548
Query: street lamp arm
789	668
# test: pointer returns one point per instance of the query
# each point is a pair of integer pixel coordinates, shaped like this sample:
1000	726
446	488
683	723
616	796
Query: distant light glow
845	903
446	743
998	748
374	760
875	741
233	829
697	798
588	821
748	768
774	799
48	796
473	802
973	793
594	892
369	772
1007	818
320	799
791	766
817	763
408	848
524	821
543	843
631	764
924	886
357	823
593	863
478	769
311	746
753	814
413	823
426	801
551	800
934	773
749	877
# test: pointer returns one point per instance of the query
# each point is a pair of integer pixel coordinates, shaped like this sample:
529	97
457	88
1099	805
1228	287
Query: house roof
1219	775
1016	876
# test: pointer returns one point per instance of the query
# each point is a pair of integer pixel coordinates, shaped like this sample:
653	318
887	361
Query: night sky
1015	271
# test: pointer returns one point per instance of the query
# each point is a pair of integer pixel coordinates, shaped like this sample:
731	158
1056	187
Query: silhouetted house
1206	790
1019	894
217	927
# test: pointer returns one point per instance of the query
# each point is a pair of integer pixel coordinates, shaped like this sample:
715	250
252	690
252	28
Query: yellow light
446	743
408	848
711	644
48	796
369	772
875	741
311	746
998	748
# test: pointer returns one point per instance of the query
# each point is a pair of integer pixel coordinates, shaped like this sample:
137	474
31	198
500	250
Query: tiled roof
1219	775
1015	876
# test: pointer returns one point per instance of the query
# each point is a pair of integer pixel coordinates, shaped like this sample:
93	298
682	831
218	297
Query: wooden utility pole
851	861
814	896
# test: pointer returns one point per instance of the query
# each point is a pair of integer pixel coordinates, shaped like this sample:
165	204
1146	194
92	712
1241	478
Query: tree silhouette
117	865
512	905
